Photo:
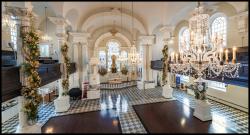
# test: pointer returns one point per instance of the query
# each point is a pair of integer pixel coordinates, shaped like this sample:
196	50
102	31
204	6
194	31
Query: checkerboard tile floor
122	101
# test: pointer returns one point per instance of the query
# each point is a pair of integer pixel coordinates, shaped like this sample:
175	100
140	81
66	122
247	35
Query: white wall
234	94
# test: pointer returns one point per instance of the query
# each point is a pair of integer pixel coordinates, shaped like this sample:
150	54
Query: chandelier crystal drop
203	52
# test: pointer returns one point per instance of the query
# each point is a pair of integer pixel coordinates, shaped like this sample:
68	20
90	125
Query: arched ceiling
150	14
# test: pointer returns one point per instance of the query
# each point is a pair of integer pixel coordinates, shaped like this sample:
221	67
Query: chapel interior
124	67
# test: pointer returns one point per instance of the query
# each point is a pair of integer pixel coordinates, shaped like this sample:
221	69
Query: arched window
102	58
184	36
113	49
219	26
13	32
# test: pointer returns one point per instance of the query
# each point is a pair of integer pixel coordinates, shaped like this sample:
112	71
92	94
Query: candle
172	56
226	53
221	54
234	53
176	57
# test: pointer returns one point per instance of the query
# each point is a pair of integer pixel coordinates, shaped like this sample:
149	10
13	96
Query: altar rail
118	85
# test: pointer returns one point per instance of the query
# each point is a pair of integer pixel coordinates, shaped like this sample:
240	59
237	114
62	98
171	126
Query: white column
62	102
84	61
144	63
150	71
81	56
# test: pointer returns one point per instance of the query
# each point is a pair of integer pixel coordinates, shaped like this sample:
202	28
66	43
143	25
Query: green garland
31	54
165	58
65	81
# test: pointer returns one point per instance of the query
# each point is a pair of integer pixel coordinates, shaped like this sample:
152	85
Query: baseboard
244	109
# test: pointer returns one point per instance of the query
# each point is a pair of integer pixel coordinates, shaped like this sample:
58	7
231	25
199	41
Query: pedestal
203	110
149	85
140	85
190	91
62	104
167	91
29	129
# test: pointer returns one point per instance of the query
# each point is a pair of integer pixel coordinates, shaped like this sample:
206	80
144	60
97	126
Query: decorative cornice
147	40
58	20
77	37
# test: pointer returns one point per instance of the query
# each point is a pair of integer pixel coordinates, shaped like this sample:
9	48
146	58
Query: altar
115	80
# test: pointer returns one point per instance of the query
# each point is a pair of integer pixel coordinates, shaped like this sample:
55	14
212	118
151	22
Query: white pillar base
93	94
140	85
149	85
29	129
190	92
167	91
62	104
203	110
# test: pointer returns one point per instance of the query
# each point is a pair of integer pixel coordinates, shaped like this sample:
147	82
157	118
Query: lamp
204	56
134	57
7	20
45	37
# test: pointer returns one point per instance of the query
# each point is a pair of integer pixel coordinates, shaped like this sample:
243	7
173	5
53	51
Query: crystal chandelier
203	52
133	56
7	21
45	37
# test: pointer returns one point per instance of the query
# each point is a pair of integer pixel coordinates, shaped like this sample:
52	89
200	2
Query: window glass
44	50
219	26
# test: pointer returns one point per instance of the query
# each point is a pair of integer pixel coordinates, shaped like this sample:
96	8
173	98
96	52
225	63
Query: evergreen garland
165	61
65	81
29	67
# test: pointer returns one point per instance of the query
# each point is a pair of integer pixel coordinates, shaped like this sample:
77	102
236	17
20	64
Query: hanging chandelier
203	52
133	56
45	37
7	20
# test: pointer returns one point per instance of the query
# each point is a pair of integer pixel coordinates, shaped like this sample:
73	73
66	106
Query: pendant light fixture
45	37
6	18
134	57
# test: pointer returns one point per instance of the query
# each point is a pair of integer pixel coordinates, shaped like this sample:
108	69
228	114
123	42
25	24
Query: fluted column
147	42
80	41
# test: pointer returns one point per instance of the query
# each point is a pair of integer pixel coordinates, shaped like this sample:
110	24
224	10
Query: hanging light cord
133	20
121	16
46	19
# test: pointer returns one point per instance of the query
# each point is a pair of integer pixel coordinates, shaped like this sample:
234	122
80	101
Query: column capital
147	40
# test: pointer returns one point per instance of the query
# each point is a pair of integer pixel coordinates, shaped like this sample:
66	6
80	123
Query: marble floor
122	101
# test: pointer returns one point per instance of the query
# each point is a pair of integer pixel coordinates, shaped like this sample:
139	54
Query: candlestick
221	54
226	54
